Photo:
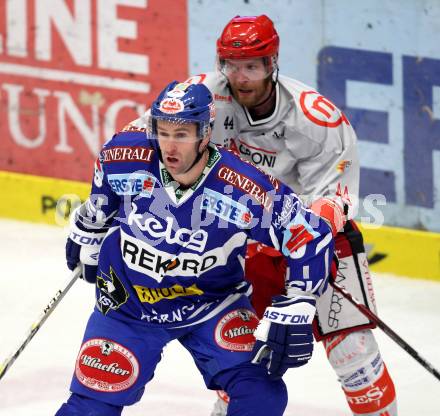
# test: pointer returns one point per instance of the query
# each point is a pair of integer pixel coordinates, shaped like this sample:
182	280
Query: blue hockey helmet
184	102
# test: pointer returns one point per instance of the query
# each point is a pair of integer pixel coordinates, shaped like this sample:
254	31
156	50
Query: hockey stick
54	301
385	328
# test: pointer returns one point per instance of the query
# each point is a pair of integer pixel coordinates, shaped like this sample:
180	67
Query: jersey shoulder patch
317	109
247	178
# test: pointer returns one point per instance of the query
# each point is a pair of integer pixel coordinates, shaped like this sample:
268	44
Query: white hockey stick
54	301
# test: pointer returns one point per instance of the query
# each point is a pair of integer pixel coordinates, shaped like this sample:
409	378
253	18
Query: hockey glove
83	247
284	337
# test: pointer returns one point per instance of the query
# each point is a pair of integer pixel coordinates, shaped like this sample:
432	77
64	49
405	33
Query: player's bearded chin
253	94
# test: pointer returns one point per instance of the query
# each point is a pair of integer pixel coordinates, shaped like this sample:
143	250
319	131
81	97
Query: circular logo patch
321	110
235	330
171	106
106	366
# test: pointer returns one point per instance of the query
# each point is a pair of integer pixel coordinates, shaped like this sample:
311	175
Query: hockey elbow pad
284	336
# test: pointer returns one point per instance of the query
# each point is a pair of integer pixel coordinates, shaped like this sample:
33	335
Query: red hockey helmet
248	37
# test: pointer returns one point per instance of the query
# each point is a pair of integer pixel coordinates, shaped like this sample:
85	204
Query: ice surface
32	269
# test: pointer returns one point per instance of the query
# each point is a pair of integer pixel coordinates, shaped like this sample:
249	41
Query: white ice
32	269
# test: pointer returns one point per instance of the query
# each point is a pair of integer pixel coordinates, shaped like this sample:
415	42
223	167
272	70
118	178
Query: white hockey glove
82	247
284	336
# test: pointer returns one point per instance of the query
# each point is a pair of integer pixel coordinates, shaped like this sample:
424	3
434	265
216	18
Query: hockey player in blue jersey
169	216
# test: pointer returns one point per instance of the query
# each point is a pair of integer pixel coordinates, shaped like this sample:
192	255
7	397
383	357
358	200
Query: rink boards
391	250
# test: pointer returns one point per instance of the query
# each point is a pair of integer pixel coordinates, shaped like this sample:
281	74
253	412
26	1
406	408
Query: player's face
179	145
249	80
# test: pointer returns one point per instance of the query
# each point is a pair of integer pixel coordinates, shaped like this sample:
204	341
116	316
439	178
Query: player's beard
251	93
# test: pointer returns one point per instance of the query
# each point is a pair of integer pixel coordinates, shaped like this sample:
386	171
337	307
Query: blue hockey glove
83	247
284	336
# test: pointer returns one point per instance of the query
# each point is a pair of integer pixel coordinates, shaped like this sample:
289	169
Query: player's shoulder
314	115
131	144
132	134
216	83
243	174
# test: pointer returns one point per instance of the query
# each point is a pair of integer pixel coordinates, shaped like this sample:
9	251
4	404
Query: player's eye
163	134
181	135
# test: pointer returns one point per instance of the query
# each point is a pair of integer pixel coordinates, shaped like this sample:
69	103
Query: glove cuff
86	238
291	311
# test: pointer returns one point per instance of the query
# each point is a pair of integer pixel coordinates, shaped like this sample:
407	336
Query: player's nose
170	147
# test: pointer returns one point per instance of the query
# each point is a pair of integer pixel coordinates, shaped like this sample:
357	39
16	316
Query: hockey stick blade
385	328
53	303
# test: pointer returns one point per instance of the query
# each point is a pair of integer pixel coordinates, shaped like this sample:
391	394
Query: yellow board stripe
39	199
405	252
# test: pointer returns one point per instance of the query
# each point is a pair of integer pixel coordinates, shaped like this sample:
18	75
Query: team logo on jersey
127	154
297	234
132	183
343	165
172	233
225	208
155	294
171	105
247	185
104	365
234	331
321	110
111	293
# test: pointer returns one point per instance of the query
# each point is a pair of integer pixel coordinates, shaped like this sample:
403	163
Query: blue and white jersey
175	257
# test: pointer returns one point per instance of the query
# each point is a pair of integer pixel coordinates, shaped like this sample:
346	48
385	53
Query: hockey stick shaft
385	328
53	303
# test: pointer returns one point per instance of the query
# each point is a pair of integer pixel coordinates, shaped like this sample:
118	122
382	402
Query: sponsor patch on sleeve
226	208
132	183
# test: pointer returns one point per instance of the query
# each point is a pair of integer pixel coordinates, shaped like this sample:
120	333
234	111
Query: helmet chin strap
197	158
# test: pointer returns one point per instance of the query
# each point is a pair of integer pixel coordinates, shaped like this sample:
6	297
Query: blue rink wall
377	60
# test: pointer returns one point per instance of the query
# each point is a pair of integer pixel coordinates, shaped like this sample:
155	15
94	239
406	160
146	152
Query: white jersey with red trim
307	142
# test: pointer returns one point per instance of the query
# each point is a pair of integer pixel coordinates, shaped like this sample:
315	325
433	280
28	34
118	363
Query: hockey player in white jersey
292	132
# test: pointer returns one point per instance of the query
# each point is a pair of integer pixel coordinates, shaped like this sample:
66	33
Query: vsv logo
193	240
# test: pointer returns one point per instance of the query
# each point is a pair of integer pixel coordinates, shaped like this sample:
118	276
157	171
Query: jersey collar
172	187
267	119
